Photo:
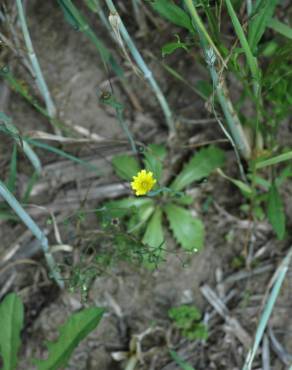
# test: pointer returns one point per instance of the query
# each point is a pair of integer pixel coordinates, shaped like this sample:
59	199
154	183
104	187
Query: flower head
143	182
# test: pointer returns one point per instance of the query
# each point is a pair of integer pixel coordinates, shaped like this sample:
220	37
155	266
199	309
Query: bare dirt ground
136	299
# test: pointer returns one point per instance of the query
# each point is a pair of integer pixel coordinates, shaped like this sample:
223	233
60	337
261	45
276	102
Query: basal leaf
153	161
142	215
122	207
259	21
200	166
276	214
77	327
154	232
125	166
173	13
158	150
187	230
11	322
154	238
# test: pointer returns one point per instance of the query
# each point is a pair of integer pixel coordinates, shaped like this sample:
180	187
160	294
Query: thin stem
37	232
34	62
239	140
142	65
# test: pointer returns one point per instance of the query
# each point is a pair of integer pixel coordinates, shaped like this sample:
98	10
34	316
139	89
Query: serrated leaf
187	230
125	166
276	214
259	21
200	166
173	13
77	327
11	322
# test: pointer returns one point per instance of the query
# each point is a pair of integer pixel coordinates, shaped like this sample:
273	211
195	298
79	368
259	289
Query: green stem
230	114
251	60
131	364
37	232
143	66
34	62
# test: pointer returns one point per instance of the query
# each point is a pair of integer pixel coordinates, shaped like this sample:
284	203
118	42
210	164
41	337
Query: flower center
144	184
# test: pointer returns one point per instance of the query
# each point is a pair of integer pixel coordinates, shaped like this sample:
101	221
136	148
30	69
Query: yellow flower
143	182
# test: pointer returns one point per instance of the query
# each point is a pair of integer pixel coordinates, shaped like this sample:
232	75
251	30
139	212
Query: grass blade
34	62
259	21
275	160
36	231
120	28
280	27
278	281
251	60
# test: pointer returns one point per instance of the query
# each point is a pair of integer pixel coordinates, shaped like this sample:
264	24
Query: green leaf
125	166
204	87
77	327
259	21
274	160
171	47
245	188
180	361
276	214
4	118
184	200
121	207
251	60
281	28
200	166
153	161
200	331
11	322
93	5
188	230
154	232
78	21
158	150
154	238
173	13
184	316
